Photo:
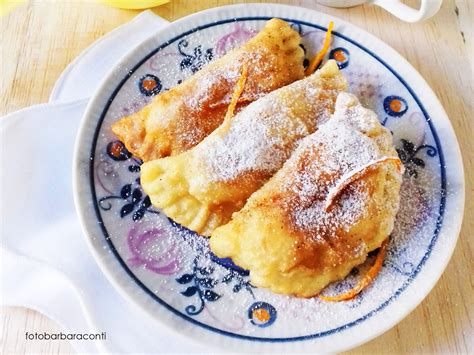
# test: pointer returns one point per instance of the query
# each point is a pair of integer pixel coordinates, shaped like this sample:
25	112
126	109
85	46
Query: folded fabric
46	264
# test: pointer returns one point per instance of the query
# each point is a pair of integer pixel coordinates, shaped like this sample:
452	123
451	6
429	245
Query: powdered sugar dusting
251	145
325	157
215	79
350	208
261	137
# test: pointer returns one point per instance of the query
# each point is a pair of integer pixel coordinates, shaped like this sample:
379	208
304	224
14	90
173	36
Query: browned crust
171	125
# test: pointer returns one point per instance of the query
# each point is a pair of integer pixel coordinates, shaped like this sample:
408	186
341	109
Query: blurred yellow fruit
8	5
135	4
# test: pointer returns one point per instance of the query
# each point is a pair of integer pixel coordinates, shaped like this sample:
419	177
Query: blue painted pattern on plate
175	265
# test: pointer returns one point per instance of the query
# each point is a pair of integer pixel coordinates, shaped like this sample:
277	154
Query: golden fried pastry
202	187
331	203
180	118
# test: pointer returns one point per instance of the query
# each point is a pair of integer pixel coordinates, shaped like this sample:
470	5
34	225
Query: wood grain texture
39	38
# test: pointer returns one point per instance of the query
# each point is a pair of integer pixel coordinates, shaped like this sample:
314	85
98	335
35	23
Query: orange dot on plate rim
261	314
339	56
116	149
149	84
396	105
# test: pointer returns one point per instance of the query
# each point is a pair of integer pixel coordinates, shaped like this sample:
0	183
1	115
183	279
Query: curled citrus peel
319	57
355	175
333	194
366	280
238	89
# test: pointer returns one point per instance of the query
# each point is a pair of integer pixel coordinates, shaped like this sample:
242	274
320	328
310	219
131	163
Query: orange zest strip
366	280
238	89
356	175
319	57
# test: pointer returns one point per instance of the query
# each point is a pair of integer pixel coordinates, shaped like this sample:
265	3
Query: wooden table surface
39	38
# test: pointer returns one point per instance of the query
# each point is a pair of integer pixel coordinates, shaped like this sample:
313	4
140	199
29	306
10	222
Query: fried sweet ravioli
333	202
202	187
178	119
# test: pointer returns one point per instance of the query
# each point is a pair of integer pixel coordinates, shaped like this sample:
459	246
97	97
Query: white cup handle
396	7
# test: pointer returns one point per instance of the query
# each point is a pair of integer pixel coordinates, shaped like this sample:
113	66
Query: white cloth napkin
46	264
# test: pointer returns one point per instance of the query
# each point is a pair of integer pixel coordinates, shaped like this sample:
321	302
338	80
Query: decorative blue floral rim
289	339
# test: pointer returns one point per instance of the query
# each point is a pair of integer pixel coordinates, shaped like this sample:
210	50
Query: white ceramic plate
169	270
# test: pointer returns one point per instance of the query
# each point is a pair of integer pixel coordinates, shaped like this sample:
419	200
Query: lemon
135	4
